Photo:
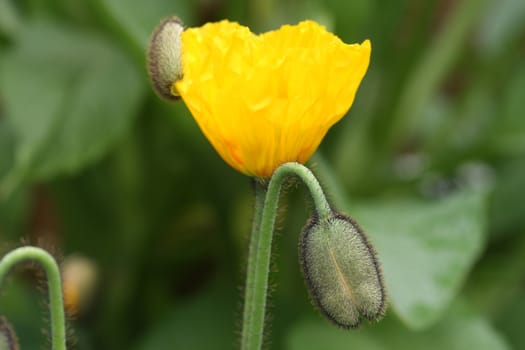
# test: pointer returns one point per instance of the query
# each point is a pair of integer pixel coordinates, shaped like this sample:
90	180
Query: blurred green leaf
462	131
139	18
437	60
426	249
461	329
507	206
69	96
509	134
13	214
504	20
511	321
199	324
349	15
12	211
315	335
9	21
6	146
22	306
495	284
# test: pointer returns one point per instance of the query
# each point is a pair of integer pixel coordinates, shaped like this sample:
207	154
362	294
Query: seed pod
341	271
165	57
8	340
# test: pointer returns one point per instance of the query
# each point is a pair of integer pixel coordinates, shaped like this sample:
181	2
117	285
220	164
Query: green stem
54	282
332	186
260	192
261	245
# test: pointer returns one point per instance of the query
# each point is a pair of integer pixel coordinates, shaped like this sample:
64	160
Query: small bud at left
165	57
8	340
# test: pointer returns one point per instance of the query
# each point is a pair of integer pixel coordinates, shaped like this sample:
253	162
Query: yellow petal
263	100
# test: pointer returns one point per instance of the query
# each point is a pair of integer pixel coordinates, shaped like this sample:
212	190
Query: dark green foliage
430	161
8	340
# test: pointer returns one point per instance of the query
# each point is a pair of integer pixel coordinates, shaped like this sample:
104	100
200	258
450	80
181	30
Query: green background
430	161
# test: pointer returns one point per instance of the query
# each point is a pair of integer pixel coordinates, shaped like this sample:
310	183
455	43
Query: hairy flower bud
8	340
341	271
165	57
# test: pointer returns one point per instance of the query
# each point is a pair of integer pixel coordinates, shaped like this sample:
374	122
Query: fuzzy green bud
8	340
342	271
165	57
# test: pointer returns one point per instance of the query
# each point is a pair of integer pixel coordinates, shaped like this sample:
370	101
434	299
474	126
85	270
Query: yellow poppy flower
264	100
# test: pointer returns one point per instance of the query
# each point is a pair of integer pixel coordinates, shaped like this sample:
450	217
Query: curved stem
261	245
54	281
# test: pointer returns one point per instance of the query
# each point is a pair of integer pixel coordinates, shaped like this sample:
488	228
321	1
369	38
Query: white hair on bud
165	57
342	272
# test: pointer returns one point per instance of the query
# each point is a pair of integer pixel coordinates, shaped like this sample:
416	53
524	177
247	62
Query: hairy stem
54	281
259	255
